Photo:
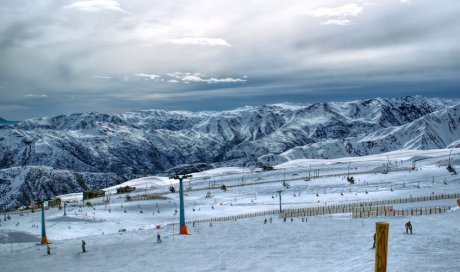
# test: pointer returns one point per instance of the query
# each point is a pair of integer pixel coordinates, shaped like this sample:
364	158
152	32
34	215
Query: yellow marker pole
381	246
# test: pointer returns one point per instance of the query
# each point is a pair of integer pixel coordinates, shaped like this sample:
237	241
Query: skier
292	219
158	238
270	220
408	227
83	246
284	220
265	221
48	249
373	246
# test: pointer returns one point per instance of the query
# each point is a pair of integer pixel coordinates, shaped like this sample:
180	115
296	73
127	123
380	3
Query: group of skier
83	247
292	220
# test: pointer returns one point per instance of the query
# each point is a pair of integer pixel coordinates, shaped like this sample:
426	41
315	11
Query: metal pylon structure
44	239
183	227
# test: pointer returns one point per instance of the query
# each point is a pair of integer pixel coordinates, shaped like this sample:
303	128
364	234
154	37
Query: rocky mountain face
43	157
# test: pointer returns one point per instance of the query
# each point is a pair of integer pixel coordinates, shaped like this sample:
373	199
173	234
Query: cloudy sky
59	56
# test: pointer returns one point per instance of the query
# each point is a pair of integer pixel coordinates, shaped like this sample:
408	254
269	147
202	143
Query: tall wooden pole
381	246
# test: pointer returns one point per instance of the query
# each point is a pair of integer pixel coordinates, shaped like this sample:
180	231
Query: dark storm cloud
112	56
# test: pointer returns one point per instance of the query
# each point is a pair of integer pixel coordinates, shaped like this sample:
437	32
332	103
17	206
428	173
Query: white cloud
96	5
173	81
194	78
148	76
406	1
36	95
339	15
339	22
102	77
200	41
348	10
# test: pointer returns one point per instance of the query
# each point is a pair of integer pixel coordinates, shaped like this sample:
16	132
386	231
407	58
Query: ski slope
324	243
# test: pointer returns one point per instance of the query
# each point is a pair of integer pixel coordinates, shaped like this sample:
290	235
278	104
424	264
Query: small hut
55	202
37	204
126	189
93	193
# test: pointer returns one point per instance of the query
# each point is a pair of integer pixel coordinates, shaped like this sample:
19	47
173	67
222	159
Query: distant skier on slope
158	238
83	246
375	234
48	249
408	227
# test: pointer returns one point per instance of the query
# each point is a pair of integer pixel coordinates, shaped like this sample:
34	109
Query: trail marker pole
65	206
381	246
279	194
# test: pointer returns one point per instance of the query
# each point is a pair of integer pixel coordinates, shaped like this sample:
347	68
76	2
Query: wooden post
381	246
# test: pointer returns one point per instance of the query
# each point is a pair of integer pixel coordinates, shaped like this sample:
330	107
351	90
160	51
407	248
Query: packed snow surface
335	242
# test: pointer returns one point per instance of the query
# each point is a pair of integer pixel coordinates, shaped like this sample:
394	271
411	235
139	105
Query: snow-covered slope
141	143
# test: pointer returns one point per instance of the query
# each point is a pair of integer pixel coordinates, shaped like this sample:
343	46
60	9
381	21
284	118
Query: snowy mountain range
46	156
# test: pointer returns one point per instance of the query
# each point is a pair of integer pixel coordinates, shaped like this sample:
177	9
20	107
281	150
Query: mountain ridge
140	143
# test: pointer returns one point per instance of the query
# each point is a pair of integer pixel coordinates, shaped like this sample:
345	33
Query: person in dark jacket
408	227
83	246
373	246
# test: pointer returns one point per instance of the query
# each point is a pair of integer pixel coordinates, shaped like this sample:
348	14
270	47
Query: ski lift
208	194
451	169
351	179
286	184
